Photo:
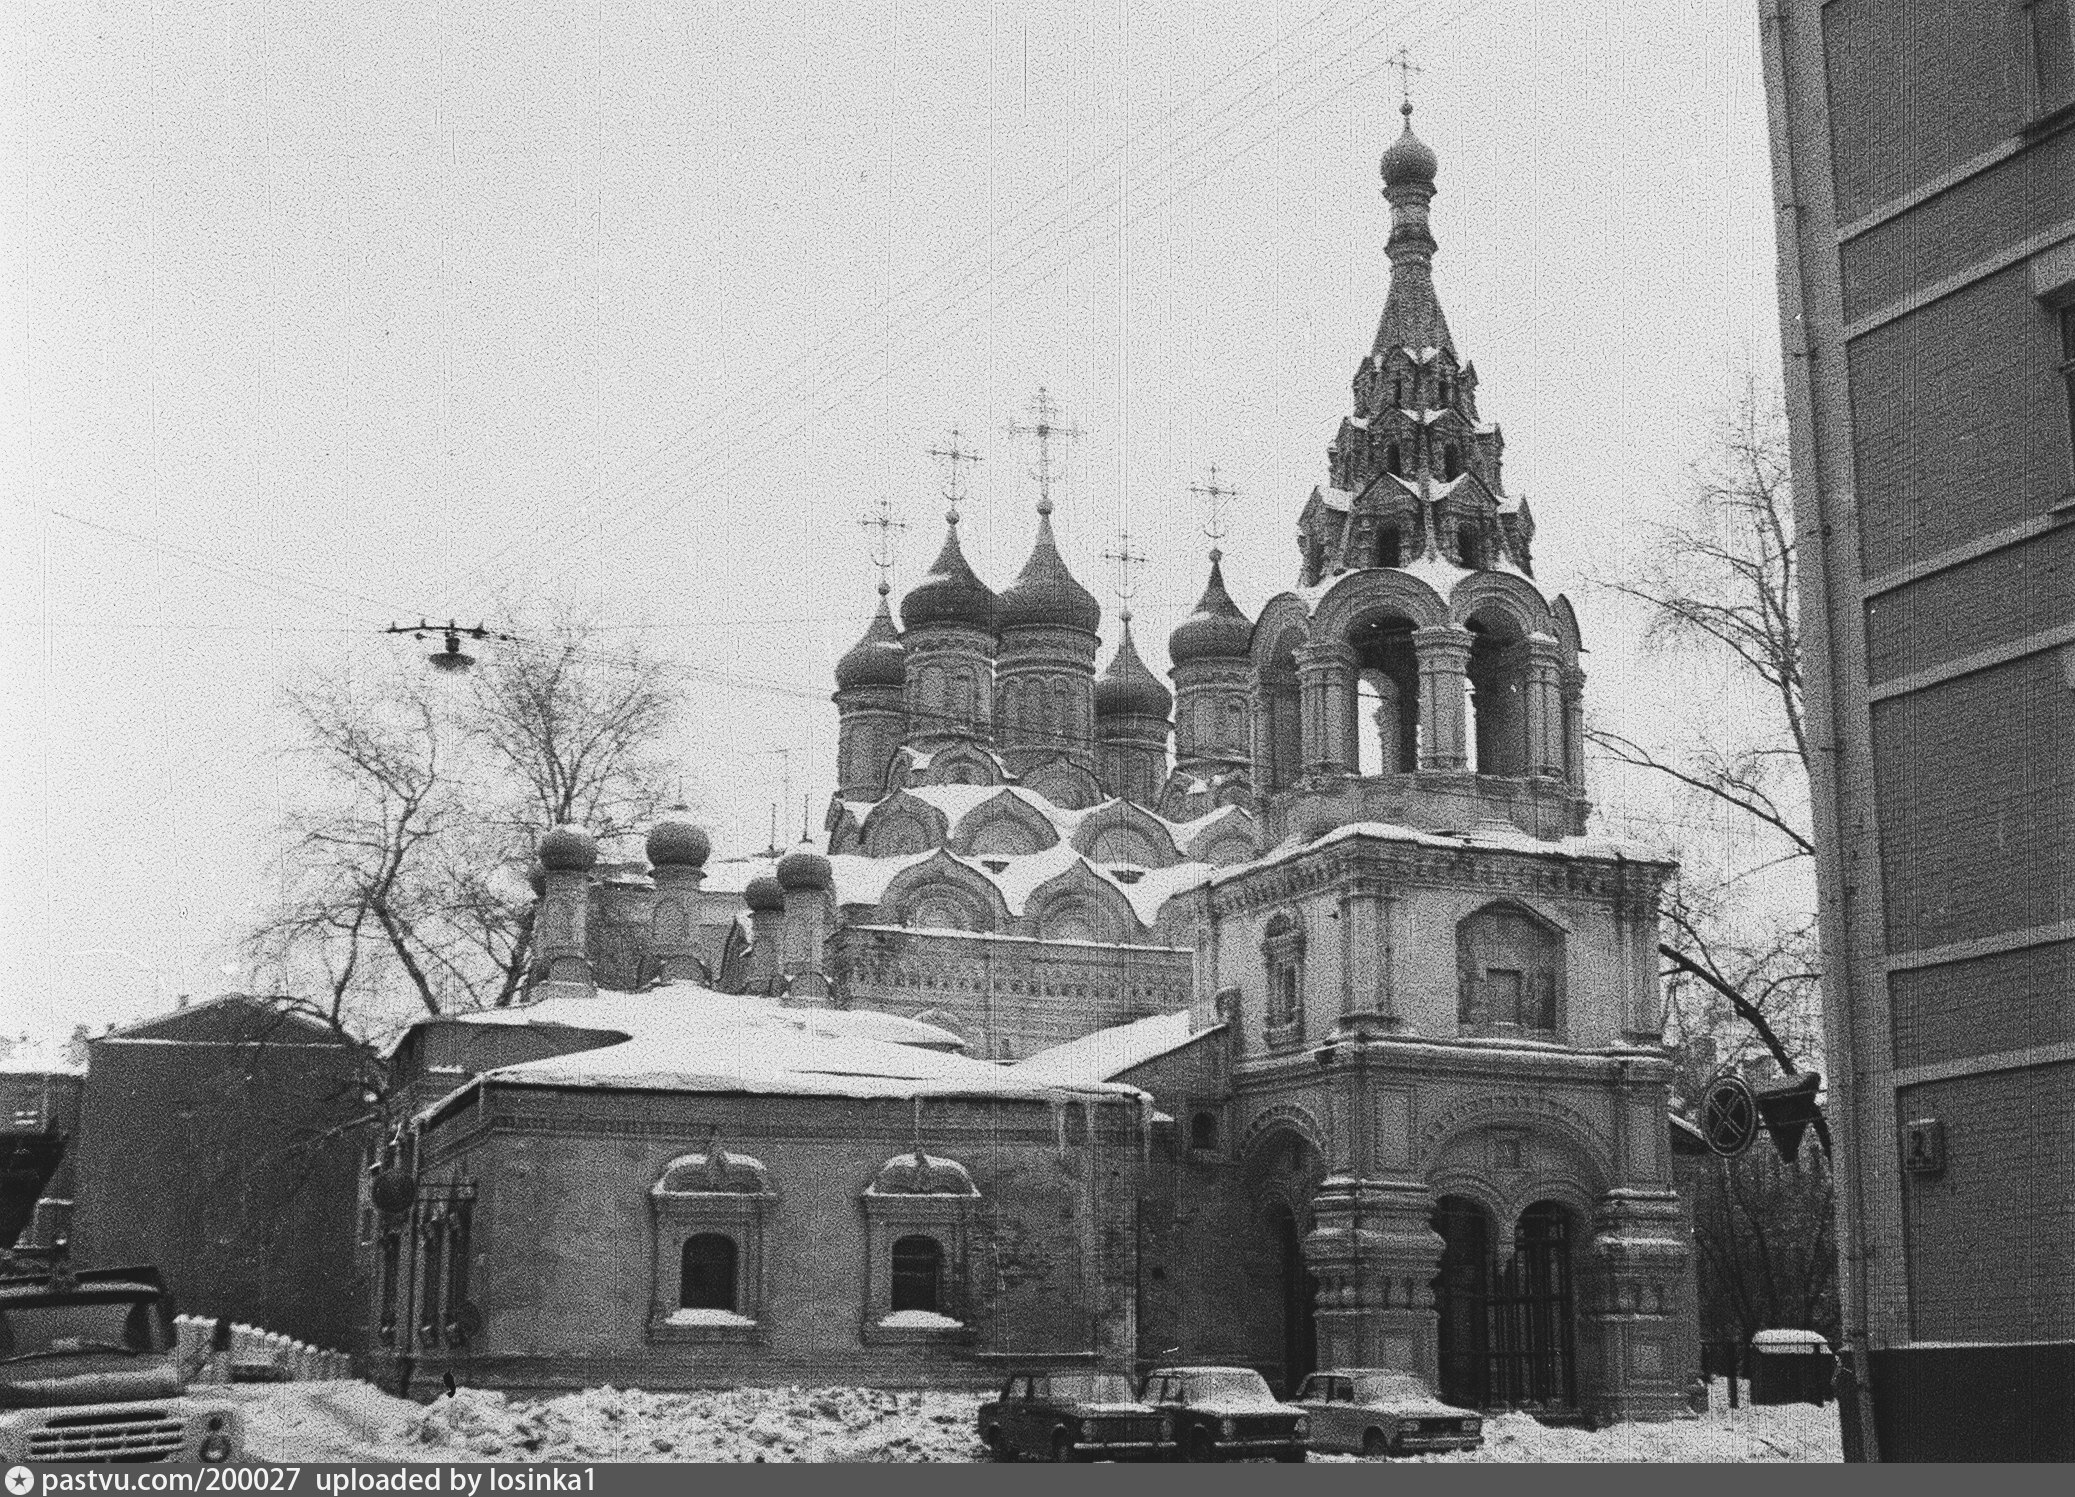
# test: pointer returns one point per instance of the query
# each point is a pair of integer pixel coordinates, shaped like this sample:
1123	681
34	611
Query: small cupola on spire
1132	724
1412	317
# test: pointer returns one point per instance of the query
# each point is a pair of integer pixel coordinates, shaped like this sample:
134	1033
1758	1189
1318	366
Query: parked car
1375	1411
1224	1413
1071	1416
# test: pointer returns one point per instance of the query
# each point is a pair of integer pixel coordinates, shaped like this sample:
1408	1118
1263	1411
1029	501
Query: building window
2051	33
1282	954
918	1215
2067	315
707	1279
1392	463
1203	1131
918	1273
1510	973
1390	547
710	1212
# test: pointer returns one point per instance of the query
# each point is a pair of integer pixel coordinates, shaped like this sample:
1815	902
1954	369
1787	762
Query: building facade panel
2013	1000
2015	592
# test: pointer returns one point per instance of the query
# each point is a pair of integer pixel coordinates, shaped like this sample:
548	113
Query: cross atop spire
1129	562
1045	427
882	520
1214	496
954	455
1407	71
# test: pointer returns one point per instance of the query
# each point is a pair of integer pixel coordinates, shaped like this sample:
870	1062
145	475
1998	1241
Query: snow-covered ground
344	1421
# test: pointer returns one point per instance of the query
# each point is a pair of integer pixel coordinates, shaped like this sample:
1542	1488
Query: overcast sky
322	316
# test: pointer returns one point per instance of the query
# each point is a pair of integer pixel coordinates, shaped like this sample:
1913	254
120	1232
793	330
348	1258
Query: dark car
1225	1414
1070	1416
1375	1411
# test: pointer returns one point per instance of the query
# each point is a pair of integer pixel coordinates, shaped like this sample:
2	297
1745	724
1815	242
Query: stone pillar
1573	689
1375	1255
671	940
1444	670
1325	675
1366	957
1633	1284
766	901
1545	707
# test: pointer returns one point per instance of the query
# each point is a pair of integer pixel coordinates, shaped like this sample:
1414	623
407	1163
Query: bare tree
406	872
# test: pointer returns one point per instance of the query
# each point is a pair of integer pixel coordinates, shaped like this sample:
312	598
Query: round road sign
1729	1116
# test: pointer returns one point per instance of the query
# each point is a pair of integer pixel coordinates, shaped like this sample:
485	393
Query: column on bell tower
1444	673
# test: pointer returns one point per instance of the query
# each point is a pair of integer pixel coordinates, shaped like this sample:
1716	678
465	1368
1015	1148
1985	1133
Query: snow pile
353	1422
341	1421
921	1320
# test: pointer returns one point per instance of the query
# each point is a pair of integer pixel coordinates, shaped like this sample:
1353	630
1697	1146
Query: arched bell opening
1386	684
1282	728
1498	693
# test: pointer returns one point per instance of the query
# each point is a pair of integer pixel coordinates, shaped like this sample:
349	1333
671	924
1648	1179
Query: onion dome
1217	630
568	849
677	842
763	894
804	868
879	659
1045	592
950	593
1410	159
1127	688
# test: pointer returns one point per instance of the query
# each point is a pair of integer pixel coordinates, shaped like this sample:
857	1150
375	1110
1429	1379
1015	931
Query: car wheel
1202	1448
998	1447
1062	1447
1374	1446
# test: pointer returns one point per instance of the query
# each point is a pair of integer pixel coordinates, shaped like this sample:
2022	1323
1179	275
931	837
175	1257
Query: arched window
1282	953
918	1274
1391	460
1203	1131
1451	461
707	1281
1398	392
1469	545
1510	972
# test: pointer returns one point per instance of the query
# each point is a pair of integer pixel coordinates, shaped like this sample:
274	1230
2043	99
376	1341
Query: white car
1376	1411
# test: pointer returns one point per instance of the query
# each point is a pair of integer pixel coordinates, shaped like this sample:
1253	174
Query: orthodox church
1329	1039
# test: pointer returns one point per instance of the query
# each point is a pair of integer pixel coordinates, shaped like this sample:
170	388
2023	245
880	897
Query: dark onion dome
879	659
1045	592
1217	630
1127	688
568	849
1409	159
804	868
677	842
762	893
950	593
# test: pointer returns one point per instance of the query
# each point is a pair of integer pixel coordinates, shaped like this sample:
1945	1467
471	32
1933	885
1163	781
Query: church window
1451	461
1444	390
1398	392
1391	460
2068	363
1390	547
1282	952
1203	1131
1510	972
707	1277
918	1274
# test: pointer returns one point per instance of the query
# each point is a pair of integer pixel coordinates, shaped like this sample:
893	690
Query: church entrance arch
1508	1326
1299	1303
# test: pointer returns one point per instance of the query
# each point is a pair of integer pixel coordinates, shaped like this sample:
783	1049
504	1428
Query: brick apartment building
1924	170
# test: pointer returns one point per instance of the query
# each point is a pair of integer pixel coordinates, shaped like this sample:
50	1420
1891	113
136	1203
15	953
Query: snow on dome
568	849
677	842
804	868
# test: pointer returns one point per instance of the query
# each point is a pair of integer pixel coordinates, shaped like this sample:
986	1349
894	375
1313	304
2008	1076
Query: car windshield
1089	1387
56	1328
1229	1385
1395	1387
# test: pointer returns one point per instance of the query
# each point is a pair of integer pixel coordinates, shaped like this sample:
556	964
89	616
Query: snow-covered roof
1488	834
1108	1053
686	1038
